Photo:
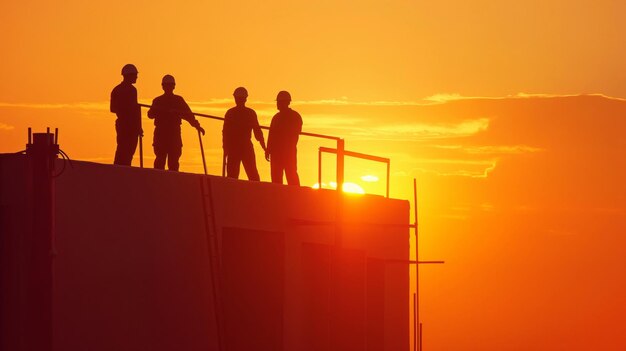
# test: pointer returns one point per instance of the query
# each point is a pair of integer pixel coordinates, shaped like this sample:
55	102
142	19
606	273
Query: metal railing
339	151
351	154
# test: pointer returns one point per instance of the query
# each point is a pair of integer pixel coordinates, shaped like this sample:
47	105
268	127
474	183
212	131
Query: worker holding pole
128	123
283	137
168	111
239	122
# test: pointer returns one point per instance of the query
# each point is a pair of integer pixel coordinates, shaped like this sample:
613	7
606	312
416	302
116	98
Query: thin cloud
492	149
483	167
4	126
432	131
224	103
72	106
443	98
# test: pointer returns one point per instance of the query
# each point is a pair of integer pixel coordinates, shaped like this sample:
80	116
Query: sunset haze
511	115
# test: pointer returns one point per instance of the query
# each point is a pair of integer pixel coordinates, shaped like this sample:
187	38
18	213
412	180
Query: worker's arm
114	102
153	111
298	127
258	133
226	133
188	115
268	150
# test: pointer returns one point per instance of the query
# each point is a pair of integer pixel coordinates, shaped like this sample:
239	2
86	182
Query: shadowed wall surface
133	266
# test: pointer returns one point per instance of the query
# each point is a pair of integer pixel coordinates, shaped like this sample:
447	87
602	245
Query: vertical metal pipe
388	172
319	168
420	337
420	349
56	136
415	322
30	135
340	163
417	266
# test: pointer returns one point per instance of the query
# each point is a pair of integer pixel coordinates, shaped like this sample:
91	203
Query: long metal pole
323	136
202	151
417	266
414	322
420	337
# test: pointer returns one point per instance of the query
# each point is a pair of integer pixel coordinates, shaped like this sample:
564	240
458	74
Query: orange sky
487	103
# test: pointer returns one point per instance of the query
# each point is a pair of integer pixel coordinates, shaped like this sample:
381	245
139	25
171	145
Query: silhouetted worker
168	111
282	140
128	123
239	122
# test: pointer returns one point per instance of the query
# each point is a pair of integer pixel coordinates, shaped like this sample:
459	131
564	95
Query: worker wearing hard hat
239	122
128	123
282	140
168	111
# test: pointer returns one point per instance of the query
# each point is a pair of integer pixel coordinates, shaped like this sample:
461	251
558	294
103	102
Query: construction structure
105	257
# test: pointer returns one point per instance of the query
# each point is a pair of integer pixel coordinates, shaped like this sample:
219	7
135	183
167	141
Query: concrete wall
133	267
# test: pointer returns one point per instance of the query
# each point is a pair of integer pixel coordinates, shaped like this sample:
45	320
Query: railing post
340	163
388	174
319	168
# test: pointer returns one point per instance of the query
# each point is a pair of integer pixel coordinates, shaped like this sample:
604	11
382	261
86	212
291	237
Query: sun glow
369	178
347	187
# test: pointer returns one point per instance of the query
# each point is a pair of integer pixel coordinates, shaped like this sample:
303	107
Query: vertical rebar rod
415	321
417	266
420	337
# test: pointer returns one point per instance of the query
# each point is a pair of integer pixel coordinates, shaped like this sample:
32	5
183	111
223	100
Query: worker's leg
249	164
173	156
291	169
161	155
126	146
276	169
233	164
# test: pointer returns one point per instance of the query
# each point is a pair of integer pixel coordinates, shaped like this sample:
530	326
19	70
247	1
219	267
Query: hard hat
168	79
283	95
129	69
240	92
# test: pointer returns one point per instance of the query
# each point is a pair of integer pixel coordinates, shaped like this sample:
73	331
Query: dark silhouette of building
128	123
168	111
282	141
161	261
239	122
